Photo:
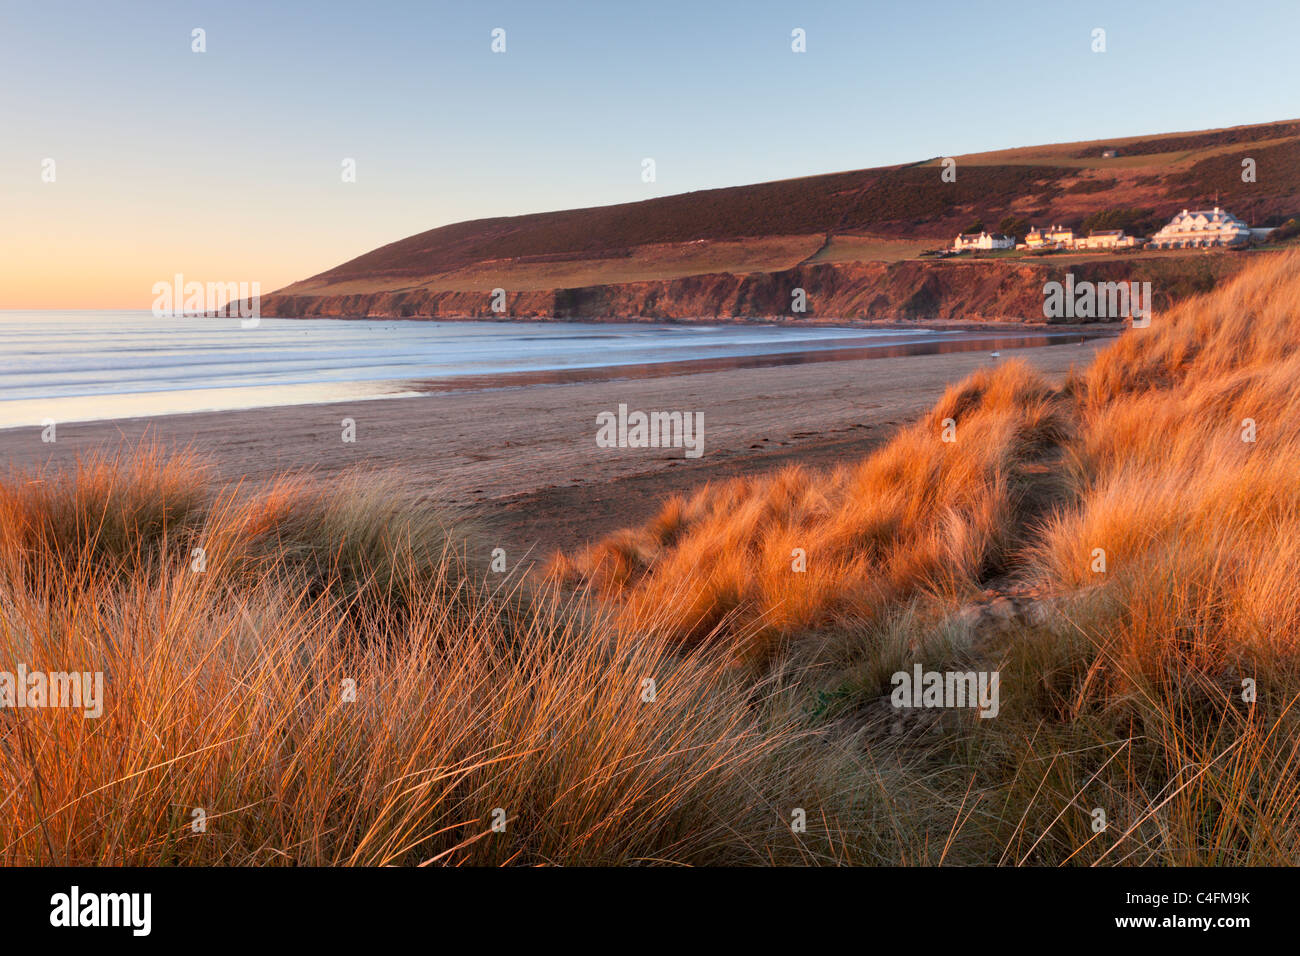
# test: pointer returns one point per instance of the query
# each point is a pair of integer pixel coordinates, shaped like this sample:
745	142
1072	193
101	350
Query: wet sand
525	460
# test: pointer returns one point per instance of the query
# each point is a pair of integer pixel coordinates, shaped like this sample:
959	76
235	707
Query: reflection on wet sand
958	342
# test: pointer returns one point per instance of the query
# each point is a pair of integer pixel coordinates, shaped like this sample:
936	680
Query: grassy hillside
772	226
343	682
1121	549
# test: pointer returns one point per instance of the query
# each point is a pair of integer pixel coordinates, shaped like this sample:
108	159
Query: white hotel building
1200	229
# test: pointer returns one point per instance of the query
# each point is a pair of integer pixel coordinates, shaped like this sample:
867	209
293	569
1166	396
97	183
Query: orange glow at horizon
104	231
98	260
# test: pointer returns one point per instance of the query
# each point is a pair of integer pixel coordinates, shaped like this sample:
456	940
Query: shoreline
525	460
130	406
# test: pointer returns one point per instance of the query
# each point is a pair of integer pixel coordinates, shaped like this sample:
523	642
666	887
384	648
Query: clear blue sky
229	161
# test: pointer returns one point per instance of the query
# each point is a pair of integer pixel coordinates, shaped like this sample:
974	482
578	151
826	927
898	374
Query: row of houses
1187	230
1059	237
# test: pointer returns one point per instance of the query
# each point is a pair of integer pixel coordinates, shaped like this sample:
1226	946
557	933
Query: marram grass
303	674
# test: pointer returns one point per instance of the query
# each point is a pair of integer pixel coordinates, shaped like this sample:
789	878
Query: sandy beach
525	461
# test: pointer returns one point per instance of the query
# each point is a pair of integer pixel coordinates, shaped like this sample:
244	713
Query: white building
1057	237
1203	228
972	241
1106	239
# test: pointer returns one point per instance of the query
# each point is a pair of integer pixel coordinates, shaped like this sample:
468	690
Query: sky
227	165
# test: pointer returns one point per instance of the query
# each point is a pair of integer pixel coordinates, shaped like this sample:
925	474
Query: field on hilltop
885	214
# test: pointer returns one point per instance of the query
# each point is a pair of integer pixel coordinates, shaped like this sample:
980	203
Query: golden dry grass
1158	684
925	515
227	692
1159	689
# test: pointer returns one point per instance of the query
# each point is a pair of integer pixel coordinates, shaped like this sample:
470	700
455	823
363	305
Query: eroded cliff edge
910	291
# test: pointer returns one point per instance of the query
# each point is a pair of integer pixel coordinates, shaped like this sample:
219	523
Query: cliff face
977	291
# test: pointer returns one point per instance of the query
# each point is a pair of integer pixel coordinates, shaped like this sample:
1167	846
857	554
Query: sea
95	365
